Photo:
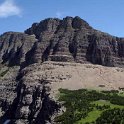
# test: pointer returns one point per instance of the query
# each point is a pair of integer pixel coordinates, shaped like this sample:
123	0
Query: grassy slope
93	115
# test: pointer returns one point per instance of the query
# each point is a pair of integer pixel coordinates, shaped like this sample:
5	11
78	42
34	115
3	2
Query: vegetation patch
91	107
3	72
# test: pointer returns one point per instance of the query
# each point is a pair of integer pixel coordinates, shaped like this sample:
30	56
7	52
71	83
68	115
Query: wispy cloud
9	8
59	14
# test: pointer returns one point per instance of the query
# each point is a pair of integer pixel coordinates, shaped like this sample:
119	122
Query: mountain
50	55
70	39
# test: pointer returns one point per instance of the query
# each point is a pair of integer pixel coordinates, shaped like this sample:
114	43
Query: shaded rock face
70	39
14	47
60	43
32	103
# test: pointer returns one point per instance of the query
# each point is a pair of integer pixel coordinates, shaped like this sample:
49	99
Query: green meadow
91	107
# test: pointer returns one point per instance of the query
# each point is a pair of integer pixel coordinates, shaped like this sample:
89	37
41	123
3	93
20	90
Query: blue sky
104	15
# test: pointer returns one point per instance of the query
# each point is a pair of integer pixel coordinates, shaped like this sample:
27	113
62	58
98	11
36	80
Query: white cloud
59	14
9	8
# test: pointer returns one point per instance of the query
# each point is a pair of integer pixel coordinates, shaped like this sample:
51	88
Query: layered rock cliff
28	81
70	39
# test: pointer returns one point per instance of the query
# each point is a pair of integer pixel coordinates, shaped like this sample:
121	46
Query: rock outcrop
28	81
70	39
14	46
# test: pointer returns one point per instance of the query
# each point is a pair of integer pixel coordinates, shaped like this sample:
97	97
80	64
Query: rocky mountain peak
69	39
53	24
79	23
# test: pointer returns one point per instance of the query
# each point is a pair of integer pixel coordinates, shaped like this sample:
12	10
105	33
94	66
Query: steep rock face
105	50
69	40
14	47
72	39
33	103
7	87
62	42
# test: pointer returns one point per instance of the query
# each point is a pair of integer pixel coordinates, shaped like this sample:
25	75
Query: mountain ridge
50	55
74	36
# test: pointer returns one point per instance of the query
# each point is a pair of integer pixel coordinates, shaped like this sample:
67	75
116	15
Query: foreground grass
92	116
87	106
